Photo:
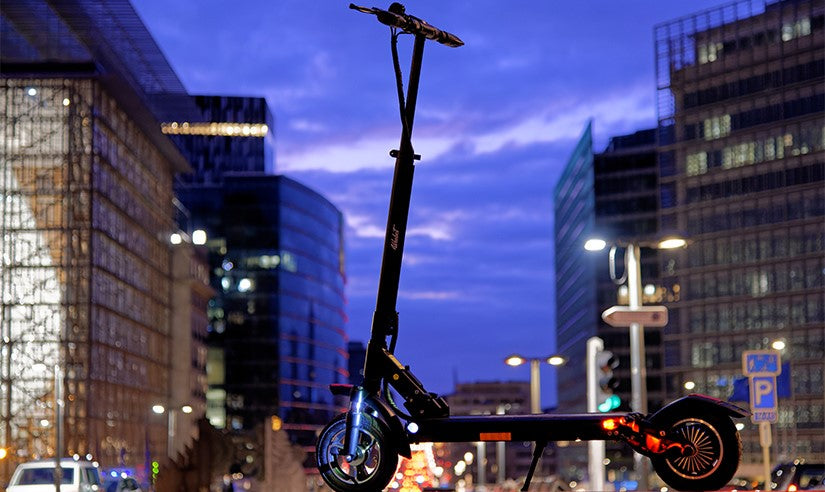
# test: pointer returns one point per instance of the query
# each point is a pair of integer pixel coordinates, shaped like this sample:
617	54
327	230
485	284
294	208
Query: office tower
741	129
626	187
611	195
86	212
576	317
276	325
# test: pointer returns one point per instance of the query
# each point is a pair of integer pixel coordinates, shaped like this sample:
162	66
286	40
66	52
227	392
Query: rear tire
374	466
718	451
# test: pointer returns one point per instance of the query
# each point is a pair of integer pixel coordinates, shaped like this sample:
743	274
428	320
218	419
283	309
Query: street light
516	360
632	273
171	417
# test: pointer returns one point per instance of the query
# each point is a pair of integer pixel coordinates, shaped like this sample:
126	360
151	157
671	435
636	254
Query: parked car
38	476
798	475
121	484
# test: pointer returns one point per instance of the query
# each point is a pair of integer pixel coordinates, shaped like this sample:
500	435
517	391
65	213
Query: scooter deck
470	428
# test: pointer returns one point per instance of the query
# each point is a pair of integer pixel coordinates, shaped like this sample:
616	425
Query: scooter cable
394	405
399	85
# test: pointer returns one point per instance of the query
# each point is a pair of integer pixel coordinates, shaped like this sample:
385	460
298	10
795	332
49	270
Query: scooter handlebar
397	17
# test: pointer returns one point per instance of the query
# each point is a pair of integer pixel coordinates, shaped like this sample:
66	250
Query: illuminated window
216	129
717	127
791	30
697	164
709	52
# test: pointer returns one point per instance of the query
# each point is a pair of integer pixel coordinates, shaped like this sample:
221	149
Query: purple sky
495	124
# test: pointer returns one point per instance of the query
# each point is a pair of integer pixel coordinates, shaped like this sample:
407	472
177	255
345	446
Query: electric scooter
692	442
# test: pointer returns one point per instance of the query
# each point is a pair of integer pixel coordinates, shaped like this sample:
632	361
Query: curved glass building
276	332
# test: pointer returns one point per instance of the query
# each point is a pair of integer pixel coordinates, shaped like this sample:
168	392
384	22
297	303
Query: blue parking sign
763	398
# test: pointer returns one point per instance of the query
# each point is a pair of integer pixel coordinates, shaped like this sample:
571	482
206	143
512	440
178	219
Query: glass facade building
228	135
86	207
576	318
741	96
276	261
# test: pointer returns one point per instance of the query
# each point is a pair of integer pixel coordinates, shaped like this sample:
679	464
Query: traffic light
606	399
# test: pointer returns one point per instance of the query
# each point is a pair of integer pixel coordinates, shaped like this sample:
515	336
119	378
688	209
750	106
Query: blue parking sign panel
763	398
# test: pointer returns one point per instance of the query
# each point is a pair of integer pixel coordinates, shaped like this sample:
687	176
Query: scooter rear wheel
372	468
715	456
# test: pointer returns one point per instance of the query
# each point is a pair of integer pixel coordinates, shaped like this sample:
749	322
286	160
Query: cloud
364	226
557	122
431	295
496	121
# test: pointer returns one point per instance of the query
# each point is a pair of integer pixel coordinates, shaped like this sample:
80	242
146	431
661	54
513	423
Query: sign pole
762	367
765	439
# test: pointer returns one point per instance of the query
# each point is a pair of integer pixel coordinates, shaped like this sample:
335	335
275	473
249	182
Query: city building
188	379
611	195
626	188
275	253
574	200
87	322
357	356
741	96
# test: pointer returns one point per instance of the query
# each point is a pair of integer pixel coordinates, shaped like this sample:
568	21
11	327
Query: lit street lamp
516	360
171	422
632	273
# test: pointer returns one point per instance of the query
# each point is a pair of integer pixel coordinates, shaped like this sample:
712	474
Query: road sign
762	367
761	363
653	316
763	399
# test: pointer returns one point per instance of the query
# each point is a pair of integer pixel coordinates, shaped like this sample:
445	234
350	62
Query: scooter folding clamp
394	153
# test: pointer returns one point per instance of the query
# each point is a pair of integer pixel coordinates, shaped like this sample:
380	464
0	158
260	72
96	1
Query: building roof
109	40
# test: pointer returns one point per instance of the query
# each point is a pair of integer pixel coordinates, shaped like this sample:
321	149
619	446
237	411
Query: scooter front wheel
713	457
373	466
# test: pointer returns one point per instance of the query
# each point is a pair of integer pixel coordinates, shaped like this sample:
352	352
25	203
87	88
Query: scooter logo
396	236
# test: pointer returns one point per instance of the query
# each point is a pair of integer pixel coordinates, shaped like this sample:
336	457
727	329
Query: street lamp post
171	424
638	371
516	360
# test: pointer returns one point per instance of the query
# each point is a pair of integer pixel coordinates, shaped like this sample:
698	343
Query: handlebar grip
410	24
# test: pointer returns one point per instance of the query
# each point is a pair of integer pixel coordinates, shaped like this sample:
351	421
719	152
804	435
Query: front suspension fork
355	421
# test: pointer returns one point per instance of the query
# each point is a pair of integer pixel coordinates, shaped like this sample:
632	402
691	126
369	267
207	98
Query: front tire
374	465
717	451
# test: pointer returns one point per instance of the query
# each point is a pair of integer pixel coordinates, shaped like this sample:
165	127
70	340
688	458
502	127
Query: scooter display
692	442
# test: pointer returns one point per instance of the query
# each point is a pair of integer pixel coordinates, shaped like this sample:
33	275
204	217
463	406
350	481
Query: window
697	164
792	30
709	52
717	127
704	354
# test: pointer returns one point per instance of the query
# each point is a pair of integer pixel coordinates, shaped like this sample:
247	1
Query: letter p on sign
764	392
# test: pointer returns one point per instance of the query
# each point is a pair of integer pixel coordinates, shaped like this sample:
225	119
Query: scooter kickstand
537	452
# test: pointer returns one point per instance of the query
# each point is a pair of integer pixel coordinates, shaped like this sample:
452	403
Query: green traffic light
612	402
